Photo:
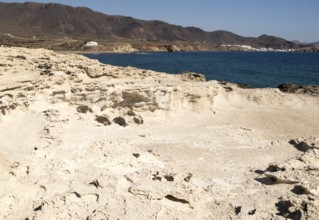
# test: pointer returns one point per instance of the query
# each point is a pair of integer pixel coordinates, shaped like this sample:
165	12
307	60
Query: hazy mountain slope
57	20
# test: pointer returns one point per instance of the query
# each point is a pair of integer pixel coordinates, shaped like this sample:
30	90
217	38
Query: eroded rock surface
293	88
83	140
301	199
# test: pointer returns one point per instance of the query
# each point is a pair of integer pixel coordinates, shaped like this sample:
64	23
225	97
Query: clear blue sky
290	19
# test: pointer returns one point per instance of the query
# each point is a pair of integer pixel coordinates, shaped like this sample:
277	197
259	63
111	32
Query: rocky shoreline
84	140
104	46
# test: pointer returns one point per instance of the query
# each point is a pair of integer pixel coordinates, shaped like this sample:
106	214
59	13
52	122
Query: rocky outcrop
124	48
99	71
303	89
301	174
192	77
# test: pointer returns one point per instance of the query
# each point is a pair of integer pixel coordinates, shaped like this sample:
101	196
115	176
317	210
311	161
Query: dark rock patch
62	92
301	89
188	177
244	86
169	178
138	120
228	89
190	76
38	208
95	183
21	57
274	168
175	199
78	195
120	121
299	190
10	89
46	66
252	212
131	113
83	109
283	208
237	210
267	180
46	73
156	177
130	99
103	120
301	145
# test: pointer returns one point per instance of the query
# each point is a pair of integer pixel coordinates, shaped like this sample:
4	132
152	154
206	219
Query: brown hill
60	21
274	42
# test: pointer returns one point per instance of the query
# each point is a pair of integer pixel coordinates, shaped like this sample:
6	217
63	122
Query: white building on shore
91	44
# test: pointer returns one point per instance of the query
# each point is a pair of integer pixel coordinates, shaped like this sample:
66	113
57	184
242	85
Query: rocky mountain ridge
55	24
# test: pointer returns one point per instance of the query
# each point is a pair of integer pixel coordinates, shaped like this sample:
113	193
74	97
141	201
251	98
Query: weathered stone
190	76
138	120
120	121
130	99
301	89
83	109
103	120
21	57
47	66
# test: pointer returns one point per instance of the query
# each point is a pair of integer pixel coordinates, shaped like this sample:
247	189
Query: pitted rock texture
84	140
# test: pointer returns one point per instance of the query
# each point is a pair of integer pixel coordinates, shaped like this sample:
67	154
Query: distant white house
91	44
10	35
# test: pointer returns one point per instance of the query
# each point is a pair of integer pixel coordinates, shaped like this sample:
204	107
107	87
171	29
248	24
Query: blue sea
257	69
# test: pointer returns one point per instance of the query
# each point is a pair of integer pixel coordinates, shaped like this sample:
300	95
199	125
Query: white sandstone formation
84	140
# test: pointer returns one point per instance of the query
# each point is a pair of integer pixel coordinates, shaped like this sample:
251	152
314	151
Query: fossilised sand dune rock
120	121
124	48
303	89
176	159
83	109
10	102
132	99
99	71
305	144
125	87
190	76
302	174
146	95
103	120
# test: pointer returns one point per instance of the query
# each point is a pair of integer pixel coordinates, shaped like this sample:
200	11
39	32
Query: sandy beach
84	140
